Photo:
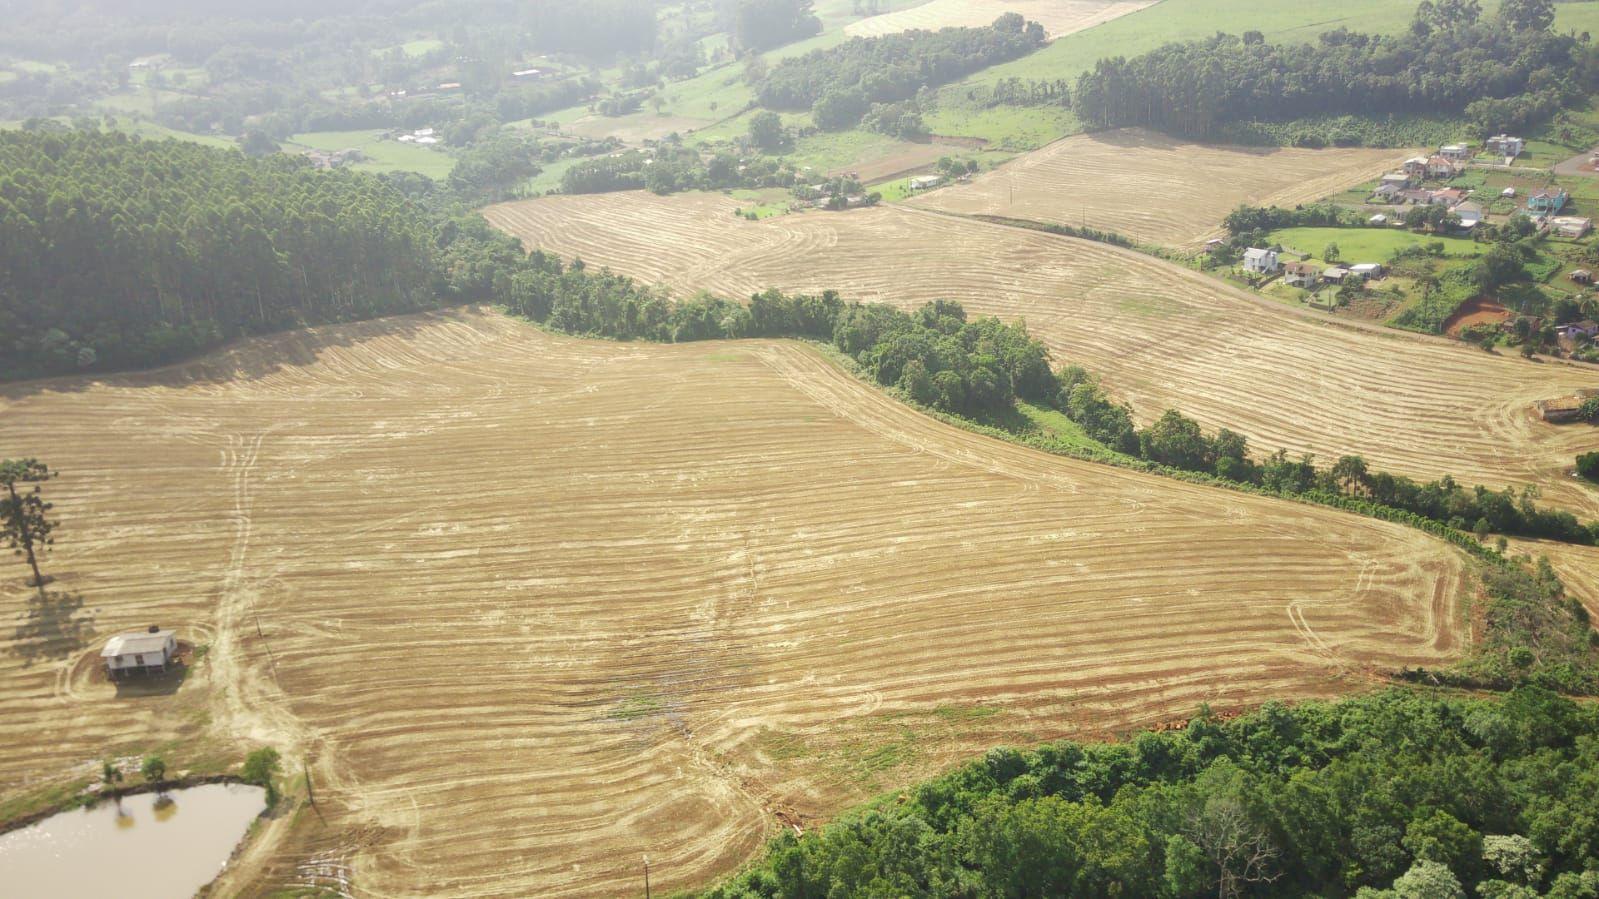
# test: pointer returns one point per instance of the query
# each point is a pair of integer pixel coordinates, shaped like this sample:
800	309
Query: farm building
1470	215
1505	145
1378	219
1570	226
1259	261
1367	271
1399	180
1508	193
925	181
1441	167
1300	274
1563	409
1548	201
141	652
1388	193
1580	276
1335	275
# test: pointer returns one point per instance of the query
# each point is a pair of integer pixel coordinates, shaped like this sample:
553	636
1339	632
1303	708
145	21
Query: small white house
1508	193
1379	220
140	652
1367	271
1456	152
1260	262
924	182
1571	226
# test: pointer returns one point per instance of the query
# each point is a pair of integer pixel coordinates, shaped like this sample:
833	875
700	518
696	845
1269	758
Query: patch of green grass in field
32	66
834	150
764	203
636	705
1357	245
381	155
549	176
1017	128
964	713
414	49
152	131
1053	425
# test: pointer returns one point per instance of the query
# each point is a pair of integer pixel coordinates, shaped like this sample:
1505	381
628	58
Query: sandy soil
1476	311
1059	17
1153	188
535	606
1160	335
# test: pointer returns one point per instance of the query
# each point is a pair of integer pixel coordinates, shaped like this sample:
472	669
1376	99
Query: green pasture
382	155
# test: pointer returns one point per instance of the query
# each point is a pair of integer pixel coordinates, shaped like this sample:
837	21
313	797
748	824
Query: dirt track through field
537	606
1159	335
1152	188
1059	17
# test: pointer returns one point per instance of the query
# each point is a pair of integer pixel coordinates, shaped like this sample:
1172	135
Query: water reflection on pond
148	846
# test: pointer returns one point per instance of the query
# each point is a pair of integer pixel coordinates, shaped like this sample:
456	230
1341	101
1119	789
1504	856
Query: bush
1588	466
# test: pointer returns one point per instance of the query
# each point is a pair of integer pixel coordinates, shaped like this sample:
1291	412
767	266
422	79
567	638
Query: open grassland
1059	17
381	155
533	606
1160	335
1357	245
1153	188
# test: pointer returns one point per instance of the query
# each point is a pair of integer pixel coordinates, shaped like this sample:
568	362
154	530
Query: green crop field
1358	245
382	155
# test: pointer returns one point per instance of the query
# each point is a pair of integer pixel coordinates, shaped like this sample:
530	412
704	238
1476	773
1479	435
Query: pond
160	848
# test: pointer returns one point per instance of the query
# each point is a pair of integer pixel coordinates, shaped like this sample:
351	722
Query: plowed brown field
1152	188
1160	335
1059	17
537	606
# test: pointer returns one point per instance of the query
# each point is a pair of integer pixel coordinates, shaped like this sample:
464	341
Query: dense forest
115	251
1399	794
839	84
1503	74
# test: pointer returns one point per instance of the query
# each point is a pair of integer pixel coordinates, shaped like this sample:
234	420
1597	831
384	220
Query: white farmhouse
1260	262
140	652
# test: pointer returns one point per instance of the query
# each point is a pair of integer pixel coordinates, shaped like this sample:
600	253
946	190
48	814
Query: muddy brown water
148	847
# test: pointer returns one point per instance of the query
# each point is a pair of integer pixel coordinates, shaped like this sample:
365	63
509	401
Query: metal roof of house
139	642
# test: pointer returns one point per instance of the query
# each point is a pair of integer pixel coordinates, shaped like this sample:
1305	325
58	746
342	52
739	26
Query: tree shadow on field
248	358
51	627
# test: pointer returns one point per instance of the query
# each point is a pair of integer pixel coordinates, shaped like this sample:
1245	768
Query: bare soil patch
535	606
1153	188
1059	17
1160	335
1476	311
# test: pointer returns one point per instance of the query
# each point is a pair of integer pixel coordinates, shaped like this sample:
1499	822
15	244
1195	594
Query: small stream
148	847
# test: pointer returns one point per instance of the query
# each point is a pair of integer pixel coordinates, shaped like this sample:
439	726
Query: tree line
1503	74
1400	794
839	84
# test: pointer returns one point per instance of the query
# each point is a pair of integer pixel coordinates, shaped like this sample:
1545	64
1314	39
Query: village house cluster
1425	181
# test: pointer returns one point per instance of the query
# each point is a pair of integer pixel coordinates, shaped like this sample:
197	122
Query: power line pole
646	877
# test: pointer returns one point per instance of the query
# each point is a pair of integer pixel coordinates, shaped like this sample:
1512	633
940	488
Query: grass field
1357	245
1160	335
1059	17
381	155
565	603
1153	188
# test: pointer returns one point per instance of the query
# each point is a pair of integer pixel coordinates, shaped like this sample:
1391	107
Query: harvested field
1059	17
534	606
1155	189
1161	336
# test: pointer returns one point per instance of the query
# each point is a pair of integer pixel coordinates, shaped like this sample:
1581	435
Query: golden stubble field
1153	188
533	607
1059	17
1160	336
